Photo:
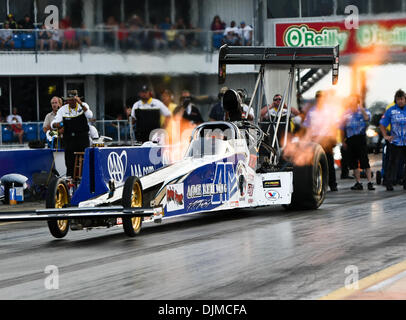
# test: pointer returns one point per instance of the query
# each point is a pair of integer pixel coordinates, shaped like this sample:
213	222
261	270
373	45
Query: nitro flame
326	122
178	131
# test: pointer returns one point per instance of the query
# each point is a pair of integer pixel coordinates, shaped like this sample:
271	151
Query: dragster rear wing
279	58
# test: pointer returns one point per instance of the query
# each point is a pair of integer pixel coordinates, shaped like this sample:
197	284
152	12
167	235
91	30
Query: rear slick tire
132	198
310	182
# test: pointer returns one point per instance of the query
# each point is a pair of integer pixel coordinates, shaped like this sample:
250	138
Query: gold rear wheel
132	198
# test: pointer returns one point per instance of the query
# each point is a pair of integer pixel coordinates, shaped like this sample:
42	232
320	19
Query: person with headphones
73	118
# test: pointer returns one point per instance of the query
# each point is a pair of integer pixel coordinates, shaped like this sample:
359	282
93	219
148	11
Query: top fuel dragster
228	164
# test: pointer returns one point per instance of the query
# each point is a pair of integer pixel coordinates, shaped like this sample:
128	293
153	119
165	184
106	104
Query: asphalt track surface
246	254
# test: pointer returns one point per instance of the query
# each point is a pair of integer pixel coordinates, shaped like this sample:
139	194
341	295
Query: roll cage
285	58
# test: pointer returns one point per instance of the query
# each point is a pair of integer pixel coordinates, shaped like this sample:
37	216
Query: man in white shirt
231	34
73	118
245	33
16	123
147	114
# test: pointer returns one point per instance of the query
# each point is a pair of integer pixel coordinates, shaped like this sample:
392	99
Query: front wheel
310	181
132	198
58	197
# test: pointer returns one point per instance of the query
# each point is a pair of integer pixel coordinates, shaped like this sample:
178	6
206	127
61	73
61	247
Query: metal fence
116	40
118	130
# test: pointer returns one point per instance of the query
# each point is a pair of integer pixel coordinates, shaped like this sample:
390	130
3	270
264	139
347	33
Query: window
317	8
379	6
159	10
134	8
362	5
112	8
283	9
20	8
74	9
48	88
113	97
4	97
24	95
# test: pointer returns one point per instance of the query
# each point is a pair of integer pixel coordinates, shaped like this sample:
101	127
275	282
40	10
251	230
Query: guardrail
118	130
117	40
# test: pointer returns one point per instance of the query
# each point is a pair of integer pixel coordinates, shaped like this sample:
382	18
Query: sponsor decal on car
250	190
175	197
271	184
272	195
117	165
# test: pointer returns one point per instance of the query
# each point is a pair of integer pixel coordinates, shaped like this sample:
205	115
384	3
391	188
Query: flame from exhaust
327	120
178	131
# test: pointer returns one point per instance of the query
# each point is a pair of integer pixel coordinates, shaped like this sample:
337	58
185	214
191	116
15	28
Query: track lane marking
367	282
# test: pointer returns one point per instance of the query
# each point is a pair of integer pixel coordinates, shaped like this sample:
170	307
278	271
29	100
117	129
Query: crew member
355	141
395	116
146	113
327	139
73	117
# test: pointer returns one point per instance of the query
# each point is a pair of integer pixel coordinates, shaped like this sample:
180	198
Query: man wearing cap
245	33
147	113
217	111
73	117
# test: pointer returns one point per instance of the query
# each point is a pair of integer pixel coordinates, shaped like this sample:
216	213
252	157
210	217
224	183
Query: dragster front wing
75	213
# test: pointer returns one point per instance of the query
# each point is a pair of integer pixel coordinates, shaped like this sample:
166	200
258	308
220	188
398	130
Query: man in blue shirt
355	141
396	117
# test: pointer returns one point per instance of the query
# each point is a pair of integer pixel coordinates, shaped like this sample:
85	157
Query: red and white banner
389	33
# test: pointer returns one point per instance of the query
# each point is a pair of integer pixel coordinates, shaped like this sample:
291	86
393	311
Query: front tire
132	198
310	182
58	197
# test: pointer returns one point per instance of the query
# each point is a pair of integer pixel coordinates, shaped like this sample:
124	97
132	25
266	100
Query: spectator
159	42
11	22
395	116
245	33
57	38
146	112
111	27
135	37
69	35
56	103
16	123
166	25
188	110
6	37
83	36
167	99
217	24
217	111
44	37
171	37
355	141
231	35
270	112
327	141
26	23
218	27
122	35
